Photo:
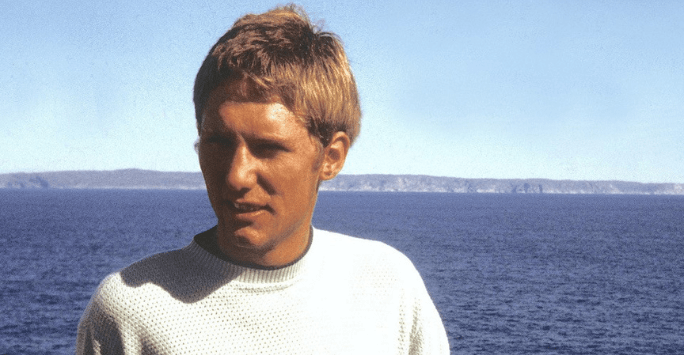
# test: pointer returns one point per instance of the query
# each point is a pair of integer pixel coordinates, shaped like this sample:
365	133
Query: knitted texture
345	296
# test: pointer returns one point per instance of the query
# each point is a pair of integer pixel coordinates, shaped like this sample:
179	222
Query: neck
285	254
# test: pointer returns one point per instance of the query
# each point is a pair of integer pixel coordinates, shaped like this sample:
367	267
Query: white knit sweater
345	296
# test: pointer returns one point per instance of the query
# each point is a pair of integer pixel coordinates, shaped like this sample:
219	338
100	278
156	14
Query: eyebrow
261	138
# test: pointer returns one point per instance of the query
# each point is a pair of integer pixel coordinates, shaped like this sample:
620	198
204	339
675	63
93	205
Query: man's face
261	167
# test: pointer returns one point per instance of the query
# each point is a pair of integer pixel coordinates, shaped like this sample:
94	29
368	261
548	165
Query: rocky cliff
418	183
115	179
146	179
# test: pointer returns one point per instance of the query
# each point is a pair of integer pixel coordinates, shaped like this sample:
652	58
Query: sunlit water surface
510	274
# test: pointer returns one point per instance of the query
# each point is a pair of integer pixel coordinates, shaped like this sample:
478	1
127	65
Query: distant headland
148	179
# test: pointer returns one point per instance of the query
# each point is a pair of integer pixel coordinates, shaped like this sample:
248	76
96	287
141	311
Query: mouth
244	207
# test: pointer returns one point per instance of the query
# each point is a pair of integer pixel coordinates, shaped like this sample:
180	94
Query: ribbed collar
204	250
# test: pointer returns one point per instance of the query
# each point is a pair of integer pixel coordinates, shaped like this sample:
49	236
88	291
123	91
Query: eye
217	140
216	144
268	149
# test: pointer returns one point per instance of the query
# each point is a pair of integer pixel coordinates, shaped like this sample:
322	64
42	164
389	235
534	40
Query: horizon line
342	174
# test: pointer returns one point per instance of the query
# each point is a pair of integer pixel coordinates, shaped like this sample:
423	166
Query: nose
241	174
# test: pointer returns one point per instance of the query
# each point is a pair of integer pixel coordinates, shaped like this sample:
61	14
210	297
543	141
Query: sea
509	273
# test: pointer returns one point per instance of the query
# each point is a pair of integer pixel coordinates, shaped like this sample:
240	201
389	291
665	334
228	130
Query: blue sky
580	90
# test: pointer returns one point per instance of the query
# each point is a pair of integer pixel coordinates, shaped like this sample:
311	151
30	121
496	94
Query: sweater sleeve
101	329
394	278
428	335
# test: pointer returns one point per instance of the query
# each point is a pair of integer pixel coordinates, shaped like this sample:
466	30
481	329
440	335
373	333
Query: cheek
211	173
209	161
295	182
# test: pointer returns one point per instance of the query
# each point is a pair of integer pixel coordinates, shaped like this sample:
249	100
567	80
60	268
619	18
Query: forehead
254	117
231	95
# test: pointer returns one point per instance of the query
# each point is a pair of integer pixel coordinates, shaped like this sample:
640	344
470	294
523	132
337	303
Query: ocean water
510	274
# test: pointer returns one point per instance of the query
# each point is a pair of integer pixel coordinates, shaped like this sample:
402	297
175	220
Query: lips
245	208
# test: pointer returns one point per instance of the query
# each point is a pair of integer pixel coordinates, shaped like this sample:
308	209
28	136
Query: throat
252	253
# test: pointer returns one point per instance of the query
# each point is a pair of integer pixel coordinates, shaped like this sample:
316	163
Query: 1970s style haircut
280	56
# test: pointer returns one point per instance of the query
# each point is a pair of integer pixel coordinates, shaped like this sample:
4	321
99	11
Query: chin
246	238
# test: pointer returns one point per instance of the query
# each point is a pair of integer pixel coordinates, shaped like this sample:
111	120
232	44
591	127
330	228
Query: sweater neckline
205	249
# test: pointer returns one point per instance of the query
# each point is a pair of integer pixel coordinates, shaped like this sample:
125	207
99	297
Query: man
277	110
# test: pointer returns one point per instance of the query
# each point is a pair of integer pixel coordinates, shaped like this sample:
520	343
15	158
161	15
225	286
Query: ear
334	156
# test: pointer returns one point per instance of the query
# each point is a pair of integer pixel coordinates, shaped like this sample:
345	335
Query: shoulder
129	298
119	310
120	292
168	273
355	246
366	256
383	279
185	275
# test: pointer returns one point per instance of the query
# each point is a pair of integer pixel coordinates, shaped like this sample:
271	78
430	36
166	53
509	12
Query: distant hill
419	183
146	179
114	179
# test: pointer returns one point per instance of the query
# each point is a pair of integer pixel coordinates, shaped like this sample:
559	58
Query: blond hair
280	56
